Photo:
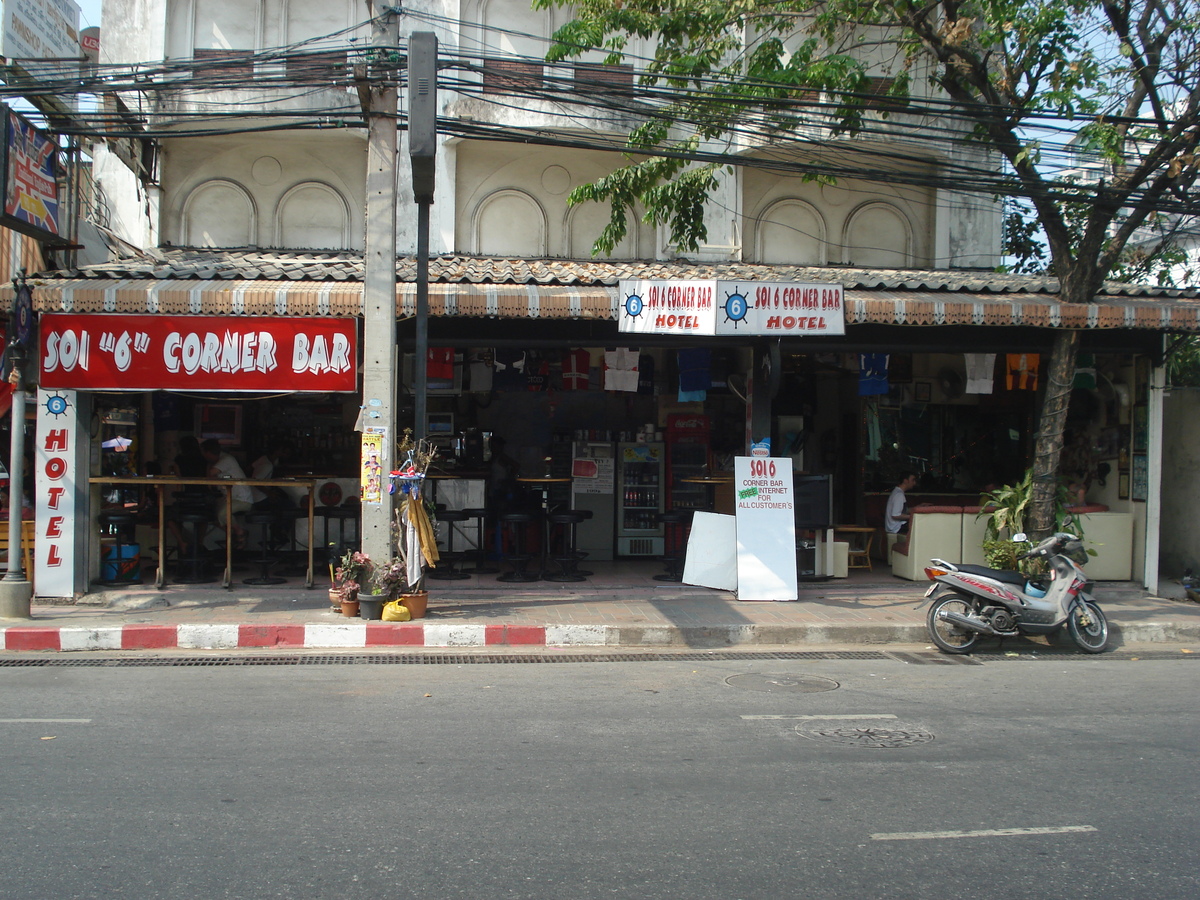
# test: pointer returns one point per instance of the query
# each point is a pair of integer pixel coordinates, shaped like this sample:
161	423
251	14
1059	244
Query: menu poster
593	476
766	528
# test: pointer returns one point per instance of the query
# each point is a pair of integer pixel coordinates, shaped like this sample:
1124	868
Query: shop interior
924	419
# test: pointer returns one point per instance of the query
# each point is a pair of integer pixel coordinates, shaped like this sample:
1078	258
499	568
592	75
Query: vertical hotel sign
751	308
58	482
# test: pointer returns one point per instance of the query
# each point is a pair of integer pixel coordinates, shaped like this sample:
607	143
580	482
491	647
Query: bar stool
584	514
341	515
516	526
563	551
283	535
675	525
452	558
117	567
479	556
264	521
194	567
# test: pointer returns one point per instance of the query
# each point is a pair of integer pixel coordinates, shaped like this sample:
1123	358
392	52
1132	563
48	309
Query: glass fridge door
639	499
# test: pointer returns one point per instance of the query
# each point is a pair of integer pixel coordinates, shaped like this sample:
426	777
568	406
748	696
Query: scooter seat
1006	576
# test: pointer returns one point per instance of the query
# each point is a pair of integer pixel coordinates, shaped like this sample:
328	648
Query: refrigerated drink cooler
593	486
640	483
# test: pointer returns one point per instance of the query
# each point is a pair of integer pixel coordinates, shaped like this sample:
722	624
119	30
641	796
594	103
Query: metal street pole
422	152
15	588
379	270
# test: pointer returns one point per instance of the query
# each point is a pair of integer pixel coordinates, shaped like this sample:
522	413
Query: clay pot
350	608
415	603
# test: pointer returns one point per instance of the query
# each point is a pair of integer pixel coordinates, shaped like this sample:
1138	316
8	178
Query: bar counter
167	481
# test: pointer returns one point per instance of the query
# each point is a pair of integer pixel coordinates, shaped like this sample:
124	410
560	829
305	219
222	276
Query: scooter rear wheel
1088	627
949	637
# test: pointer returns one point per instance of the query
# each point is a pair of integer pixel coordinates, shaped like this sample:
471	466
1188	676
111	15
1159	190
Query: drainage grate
782	684
351	658
430	659
933	659
870	738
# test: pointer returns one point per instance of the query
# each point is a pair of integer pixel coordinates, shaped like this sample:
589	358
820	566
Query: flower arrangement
352	570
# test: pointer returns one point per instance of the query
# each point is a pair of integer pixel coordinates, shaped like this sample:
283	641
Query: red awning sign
211	353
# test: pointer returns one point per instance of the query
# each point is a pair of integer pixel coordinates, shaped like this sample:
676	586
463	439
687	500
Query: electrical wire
801	141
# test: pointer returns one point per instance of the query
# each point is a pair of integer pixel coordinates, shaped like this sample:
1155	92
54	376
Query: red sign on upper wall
200	353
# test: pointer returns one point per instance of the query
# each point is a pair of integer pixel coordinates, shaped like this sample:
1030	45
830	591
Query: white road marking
814	718
989	832
42	721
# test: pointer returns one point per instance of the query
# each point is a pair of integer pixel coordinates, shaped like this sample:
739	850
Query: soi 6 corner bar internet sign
704	307
213	353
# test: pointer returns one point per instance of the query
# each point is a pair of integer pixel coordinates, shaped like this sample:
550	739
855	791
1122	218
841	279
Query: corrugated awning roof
182	282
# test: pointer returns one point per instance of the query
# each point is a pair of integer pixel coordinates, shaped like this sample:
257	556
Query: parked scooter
970	602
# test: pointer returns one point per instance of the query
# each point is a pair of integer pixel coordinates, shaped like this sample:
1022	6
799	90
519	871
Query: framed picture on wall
922	391
222	421
1141	431
1139	481
1123	486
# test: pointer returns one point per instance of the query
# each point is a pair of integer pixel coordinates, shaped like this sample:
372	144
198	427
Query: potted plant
352	570
1005	509
390	582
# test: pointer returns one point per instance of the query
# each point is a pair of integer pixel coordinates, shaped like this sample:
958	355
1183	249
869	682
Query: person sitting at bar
268	498
503	490
222	465
896	517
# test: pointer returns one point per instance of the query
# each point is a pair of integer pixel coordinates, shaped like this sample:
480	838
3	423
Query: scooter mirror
1019	538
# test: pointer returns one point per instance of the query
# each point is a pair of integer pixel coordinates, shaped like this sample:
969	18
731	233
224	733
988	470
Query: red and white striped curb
341	635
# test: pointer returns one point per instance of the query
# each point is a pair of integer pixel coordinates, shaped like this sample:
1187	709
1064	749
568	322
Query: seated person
896	517
222	465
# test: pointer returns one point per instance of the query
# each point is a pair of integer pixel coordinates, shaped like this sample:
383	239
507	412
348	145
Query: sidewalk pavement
637	612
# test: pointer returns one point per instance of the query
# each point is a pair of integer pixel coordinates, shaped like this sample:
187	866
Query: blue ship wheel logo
56	405
736	308
634	306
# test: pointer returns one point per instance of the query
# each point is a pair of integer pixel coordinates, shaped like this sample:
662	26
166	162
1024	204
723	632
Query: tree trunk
1060	374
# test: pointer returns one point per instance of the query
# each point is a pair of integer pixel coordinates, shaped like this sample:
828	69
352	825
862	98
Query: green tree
1121	77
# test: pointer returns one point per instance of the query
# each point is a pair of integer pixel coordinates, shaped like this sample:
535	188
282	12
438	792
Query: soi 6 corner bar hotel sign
704	307
215	353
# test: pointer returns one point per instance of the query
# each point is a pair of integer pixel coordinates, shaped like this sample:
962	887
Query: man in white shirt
222	465
895	518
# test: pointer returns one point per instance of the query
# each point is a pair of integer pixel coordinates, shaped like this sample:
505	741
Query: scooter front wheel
1088	627
949	637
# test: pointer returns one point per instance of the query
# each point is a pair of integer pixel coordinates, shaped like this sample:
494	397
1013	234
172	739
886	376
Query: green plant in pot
1004	510
353	568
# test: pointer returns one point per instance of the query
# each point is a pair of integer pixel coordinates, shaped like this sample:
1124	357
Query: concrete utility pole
16	591
422	153
379	271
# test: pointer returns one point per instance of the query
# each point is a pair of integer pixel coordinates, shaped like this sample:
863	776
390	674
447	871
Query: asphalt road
1061	778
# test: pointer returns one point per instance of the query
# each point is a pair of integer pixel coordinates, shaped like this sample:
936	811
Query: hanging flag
980	368
872	374
1022	371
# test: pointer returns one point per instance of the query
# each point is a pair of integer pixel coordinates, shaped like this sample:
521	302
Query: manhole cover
871	738
783	684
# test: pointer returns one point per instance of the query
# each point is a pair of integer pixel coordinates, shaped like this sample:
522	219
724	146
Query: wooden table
859	537
162	481
712	482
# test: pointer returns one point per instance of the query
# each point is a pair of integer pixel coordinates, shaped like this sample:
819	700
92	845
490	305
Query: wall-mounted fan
950	381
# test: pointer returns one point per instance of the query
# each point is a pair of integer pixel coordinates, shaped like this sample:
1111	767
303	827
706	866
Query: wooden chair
859	557
859	539
27	534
